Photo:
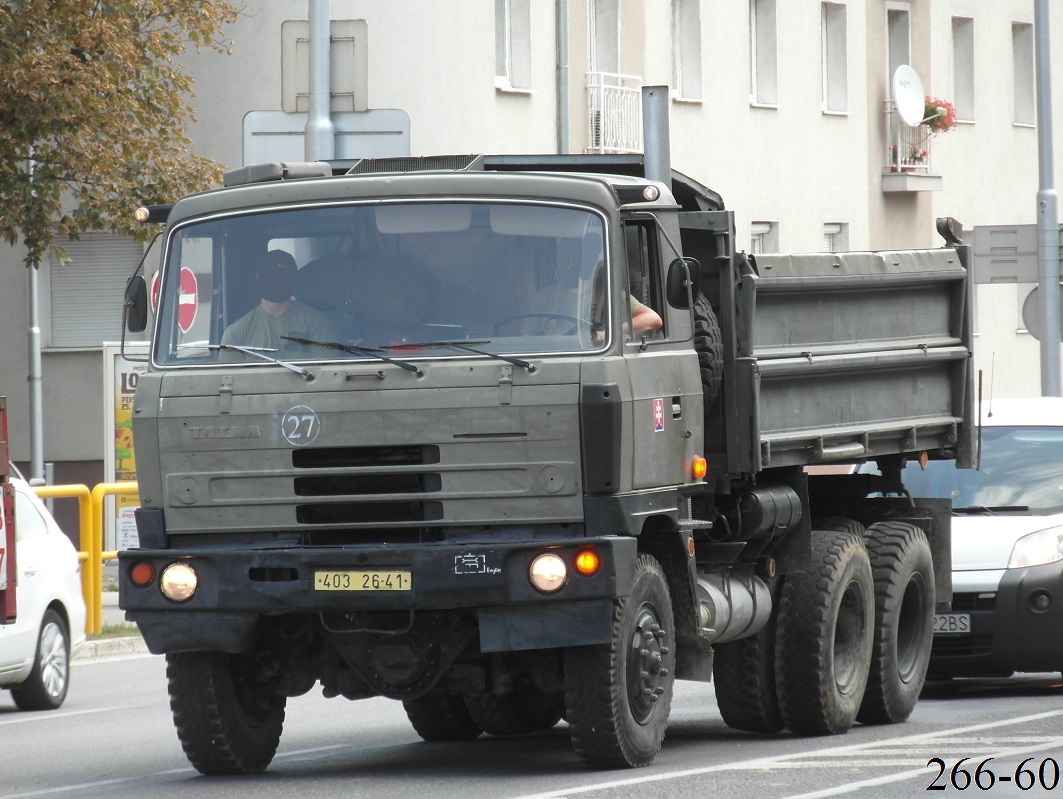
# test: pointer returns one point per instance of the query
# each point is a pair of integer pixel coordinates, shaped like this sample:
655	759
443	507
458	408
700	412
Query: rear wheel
744	673
227	722
46	686
903	568
823	644
441	717
618	695
524	709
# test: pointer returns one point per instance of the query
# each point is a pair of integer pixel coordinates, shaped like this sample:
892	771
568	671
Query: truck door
665	380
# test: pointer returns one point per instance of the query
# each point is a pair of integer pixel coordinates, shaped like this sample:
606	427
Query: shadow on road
1020	685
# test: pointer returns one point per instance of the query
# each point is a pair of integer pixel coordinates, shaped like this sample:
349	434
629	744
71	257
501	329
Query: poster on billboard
120	384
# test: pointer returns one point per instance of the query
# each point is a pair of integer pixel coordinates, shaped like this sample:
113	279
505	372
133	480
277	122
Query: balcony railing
614	113
908	147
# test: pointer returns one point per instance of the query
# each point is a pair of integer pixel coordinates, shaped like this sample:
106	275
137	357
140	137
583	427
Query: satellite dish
908	95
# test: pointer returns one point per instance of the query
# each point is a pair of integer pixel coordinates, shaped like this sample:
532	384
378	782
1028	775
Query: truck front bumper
235	587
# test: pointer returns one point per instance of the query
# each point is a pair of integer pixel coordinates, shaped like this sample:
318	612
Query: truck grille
334	457
377	471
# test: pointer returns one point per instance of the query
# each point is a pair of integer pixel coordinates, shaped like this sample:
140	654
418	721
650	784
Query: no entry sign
188	300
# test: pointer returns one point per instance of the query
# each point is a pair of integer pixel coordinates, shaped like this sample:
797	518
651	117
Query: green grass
114	631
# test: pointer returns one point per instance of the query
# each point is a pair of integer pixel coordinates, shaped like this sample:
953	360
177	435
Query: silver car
49	628
1007	545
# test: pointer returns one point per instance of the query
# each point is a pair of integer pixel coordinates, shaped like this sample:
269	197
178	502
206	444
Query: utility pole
1047	214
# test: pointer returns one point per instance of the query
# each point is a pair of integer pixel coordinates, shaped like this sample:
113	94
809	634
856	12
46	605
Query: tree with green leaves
94	105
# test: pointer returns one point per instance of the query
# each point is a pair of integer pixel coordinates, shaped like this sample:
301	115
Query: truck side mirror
136	304
684	282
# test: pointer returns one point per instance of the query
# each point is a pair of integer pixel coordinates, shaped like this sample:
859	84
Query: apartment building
785	107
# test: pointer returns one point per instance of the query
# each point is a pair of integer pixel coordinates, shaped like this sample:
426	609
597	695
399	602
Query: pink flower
939	115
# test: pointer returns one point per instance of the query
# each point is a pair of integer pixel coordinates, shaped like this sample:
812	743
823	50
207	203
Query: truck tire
618	695
744	673
903	569
440	717
226	724
708	344
45	687
524	709
824	636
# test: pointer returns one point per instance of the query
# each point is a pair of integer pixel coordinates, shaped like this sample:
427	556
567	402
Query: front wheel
228	723
618	695
46	686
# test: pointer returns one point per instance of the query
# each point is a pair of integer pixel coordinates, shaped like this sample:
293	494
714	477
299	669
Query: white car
1007	544
49	628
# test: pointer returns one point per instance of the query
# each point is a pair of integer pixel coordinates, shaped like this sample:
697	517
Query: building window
899	39
1023	72
963	67
87	294
763	53
835	237
763	237
348	65
686	48
604	33
835	57
513	44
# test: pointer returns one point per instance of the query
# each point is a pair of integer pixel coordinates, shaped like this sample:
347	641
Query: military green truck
447	463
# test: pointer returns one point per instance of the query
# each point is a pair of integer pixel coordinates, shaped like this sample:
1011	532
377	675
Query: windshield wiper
257	352
464	345
990	509
369	353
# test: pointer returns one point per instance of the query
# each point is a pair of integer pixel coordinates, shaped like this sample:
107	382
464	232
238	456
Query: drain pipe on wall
561	10
319	136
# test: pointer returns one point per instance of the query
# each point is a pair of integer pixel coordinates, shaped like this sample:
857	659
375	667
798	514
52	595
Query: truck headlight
178	582
548	573
1037	549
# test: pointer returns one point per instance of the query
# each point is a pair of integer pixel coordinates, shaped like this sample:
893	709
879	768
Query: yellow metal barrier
85	542
90	537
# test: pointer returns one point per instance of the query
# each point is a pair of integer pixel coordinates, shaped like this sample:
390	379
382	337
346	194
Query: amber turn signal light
142	574
588	562
699	468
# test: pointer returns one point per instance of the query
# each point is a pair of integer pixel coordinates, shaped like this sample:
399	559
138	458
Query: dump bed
845	356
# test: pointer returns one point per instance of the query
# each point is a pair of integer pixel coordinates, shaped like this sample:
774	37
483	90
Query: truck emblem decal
658	415
300	426
474	564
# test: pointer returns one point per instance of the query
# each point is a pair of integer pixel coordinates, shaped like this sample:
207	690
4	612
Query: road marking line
63	715
788	760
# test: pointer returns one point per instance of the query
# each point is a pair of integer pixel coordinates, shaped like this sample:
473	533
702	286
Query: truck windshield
1021	470
341	282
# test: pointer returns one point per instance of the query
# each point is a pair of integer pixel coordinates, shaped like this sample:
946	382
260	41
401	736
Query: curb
108	647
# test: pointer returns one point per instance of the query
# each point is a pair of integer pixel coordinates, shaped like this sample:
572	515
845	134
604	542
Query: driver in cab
278	314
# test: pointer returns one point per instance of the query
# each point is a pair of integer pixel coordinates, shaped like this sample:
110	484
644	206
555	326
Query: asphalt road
114	738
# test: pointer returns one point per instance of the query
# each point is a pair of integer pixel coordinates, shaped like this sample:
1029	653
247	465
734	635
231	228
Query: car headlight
178	582
1037	549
